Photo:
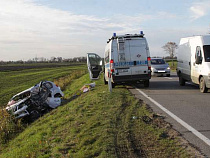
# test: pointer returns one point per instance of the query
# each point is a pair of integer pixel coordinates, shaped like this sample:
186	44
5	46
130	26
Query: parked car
159	67
34	101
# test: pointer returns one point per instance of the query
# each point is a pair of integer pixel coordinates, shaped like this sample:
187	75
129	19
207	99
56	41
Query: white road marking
168	78
184	124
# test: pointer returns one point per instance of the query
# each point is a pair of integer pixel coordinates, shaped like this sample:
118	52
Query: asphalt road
186	102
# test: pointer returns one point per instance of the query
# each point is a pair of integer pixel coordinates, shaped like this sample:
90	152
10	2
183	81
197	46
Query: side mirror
198	60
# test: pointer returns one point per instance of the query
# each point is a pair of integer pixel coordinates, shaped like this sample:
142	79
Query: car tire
168	75
181	80
202	85
146	83
34	114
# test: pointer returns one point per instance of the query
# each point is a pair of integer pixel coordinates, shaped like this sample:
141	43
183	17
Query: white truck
194	61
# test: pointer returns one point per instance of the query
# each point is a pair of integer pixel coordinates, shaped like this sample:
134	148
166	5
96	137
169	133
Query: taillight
112	65
149	63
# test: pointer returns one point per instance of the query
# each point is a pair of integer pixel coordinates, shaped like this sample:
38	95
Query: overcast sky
72	28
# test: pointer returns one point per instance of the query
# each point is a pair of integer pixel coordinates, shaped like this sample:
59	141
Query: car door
95	66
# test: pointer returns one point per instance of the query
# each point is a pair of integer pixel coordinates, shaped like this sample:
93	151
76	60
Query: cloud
29	29
199	9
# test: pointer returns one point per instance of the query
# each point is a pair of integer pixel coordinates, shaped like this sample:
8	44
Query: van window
206	50
94	59
121	46
107	56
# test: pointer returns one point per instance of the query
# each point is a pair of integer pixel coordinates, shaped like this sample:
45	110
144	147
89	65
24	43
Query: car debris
87	87
33	102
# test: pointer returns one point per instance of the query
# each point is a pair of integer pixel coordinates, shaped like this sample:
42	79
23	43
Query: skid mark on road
184	124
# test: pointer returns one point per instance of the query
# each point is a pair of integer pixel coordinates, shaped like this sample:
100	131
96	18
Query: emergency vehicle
126	59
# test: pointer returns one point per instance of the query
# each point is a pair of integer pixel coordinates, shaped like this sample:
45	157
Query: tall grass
9	127
66	80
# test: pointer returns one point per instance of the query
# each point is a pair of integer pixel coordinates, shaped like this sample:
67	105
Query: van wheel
113	85
105	82
181	80
202	85
146	83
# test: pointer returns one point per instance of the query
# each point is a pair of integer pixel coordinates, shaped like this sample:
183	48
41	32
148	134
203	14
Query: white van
127	58
194	61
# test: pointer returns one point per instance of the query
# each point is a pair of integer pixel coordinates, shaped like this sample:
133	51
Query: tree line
45	60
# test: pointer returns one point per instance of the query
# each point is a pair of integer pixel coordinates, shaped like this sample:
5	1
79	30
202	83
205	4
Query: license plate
161	71
122	70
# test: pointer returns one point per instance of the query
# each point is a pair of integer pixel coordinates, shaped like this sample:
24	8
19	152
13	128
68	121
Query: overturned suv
35	101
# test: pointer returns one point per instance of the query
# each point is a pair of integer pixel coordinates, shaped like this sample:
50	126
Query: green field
93	124
173	67
12	82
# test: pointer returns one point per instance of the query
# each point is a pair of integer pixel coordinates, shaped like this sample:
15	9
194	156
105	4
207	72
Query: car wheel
146	83
168	75
181	80
202	85
34	114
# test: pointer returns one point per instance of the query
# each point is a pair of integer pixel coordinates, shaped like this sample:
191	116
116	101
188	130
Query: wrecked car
33	102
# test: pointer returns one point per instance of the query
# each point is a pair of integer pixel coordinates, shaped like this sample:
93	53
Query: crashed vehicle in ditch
35	101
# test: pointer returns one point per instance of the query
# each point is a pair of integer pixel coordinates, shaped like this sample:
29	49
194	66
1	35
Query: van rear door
94	63
122	60
138	54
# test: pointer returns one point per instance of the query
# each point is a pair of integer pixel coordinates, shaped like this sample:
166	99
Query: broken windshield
206	50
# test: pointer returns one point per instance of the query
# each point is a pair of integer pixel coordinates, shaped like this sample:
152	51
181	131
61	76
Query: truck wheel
202	85
181	80
146	83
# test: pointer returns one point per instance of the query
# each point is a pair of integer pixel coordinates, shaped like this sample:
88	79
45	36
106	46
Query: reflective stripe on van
127	64
131	63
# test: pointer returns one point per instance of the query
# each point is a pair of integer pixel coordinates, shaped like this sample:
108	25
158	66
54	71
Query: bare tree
170	48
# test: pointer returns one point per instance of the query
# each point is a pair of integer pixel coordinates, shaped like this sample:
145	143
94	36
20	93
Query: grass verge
96	124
